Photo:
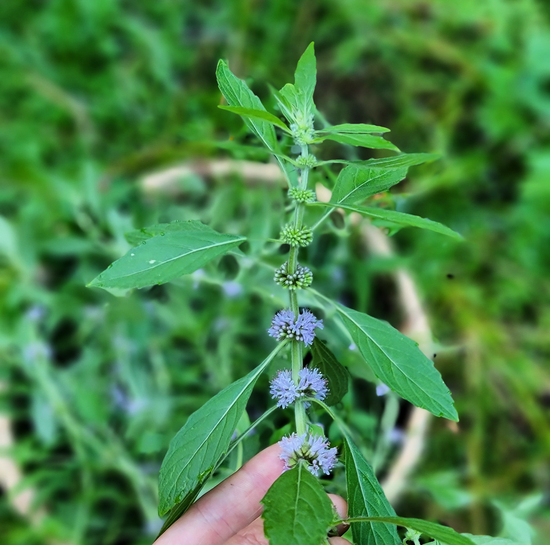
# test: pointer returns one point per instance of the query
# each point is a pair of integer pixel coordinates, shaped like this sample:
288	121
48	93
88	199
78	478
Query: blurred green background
96	95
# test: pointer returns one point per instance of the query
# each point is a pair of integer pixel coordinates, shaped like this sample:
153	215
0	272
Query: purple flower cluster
314	450
311	384
285	326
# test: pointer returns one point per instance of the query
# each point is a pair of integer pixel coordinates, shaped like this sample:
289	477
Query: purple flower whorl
285	326
285	391
314	450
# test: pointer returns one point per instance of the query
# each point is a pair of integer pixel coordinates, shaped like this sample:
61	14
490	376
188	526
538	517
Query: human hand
230	513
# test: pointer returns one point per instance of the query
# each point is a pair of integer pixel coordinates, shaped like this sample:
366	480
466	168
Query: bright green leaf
398	161
305	78
354	128
435	531
335	373
366	498
407	220
488	540
165	257
356	184
363	140
397	361
297	510
140	235
256	114
203	440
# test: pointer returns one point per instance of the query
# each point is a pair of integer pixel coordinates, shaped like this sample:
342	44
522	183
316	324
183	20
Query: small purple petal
285	326
382	389
283	389
313	449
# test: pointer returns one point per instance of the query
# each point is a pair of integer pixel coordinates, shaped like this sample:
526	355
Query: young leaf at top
202	441
256	114
237	93
355	184
442	533
353	128
336	374
397	361
407	220
355	139
297	510
165	257
366	498
305	78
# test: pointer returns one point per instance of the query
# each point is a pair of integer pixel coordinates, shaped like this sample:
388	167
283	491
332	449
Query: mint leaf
356	184
297	510
353	128
335	373
162	258
442	533
256	114
178	510
203	440
366	498
407	220
397	361
363	140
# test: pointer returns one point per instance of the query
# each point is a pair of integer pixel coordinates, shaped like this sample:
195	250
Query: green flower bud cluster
302	130
296	236
300	279
301	195
307	161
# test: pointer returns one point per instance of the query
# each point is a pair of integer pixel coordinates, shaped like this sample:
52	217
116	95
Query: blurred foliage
95	95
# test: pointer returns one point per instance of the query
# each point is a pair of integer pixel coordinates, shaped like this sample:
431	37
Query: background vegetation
94	96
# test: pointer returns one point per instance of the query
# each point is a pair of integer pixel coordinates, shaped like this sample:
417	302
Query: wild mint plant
296	507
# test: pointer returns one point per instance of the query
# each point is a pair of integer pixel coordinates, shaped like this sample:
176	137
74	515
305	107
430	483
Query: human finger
229	507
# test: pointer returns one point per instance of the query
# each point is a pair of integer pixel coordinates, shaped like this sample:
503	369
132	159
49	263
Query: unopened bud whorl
300	279
296	236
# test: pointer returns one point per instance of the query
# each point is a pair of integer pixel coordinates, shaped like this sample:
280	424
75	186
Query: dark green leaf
366	498
256	114
163	258
336	374
397	361
356	184
139	235
363	140
435	531
400	218
297	510
203	440
354	128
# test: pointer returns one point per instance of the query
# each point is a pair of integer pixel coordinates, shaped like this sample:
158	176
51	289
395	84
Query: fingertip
341	505
338	541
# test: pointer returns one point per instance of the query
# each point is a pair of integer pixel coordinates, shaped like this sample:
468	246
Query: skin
230	513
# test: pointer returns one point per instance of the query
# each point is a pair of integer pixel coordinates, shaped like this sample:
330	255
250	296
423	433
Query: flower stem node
296	236
302	131
300	279
313	450
306	161
286	326
301	196
311	383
